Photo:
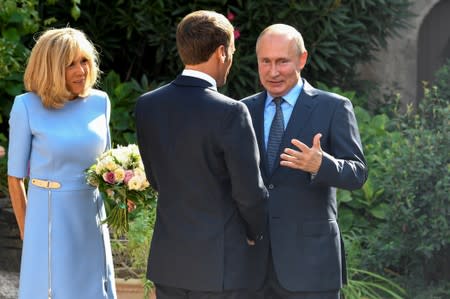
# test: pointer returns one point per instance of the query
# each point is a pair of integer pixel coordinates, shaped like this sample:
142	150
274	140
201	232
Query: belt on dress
46	184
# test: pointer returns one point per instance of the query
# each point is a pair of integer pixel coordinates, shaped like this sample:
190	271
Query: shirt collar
291	97
200	75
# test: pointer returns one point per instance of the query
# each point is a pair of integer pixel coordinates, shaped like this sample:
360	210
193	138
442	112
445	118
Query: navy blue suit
306	245
200	153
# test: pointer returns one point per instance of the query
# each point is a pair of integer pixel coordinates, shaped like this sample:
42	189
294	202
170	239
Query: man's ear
221	53
303	59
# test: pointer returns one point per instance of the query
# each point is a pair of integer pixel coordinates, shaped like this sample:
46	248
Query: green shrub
439	290
338	34
123	96
363	283
18	18
130	252
414	240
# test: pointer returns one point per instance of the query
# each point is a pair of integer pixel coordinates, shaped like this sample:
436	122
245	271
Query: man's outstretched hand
305	158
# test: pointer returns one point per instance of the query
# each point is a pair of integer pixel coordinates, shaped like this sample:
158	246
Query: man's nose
274	70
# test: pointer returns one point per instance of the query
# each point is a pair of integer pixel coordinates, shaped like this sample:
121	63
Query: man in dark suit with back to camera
310	145
200	153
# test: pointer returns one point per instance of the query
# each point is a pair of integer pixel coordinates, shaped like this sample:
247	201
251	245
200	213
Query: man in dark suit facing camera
200	153
310	145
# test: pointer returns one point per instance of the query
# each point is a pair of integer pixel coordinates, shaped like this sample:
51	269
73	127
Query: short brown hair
200	33
54	50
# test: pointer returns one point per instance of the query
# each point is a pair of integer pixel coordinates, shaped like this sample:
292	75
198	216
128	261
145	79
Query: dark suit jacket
305	239
200	153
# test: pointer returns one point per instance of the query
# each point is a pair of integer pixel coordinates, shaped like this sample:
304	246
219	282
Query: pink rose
237	34
128	176
109	177
230	16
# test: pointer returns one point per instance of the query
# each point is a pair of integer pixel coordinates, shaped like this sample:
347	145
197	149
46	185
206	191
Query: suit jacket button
271	186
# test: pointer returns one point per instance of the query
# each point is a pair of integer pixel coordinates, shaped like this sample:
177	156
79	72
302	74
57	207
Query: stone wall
396	66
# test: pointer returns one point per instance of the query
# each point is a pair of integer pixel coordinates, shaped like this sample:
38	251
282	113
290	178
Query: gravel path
9	282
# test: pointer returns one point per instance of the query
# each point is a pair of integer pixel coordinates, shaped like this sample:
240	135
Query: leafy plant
130	252
438	290
17	19
363	283
414	240
338	34
123	96
366	284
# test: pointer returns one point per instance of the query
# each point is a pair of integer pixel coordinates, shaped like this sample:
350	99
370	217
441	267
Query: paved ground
9	282
10	248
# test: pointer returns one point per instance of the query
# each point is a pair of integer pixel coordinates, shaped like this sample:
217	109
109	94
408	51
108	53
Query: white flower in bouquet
119	175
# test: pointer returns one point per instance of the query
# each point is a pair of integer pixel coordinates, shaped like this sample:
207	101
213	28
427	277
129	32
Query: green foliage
123	98
439	290
130	252
338	34
415	237
363	283
18	18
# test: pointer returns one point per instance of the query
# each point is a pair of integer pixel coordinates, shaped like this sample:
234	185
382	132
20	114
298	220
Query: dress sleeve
20	138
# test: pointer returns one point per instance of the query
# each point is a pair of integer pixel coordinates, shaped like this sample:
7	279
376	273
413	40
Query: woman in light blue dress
57	130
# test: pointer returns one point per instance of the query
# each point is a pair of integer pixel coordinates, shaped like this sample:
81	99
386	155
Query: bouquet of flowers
119	175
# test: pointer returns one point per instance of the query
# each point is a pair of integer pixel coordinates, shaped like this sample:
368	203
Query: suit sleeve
344	166
143	142
242	159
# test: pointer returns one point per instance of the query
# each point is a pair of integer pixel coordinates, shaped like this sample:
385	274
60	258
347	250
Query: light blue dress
58	145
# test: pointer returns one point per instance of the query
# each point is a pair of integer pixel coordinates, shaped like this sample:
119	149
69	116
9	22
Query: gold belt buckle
46	184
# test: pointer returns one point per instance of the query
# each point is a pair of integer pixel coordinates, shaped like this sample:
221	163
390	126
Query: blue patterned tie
275	134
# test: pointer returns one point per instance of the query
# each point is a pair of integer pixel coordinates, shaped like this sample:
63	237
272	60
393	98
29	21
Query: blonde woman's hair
55	50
